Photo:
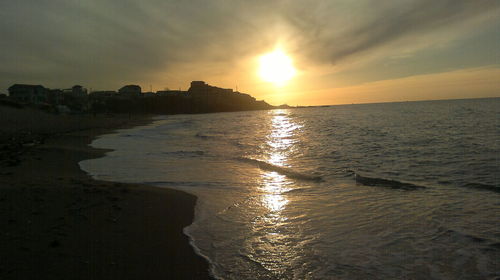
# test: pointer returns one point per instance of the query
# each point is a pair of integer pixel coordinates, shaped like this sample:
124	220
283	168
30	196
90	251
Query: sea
405	190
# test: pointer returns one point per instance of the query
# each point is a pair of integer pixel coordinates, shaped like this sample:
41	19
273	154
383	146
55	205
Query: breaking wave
484	187
288	172
185	153
379	182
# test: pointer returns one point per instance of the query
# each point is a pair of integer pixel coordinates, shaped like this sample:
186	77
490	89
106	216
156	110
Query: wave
288	172
459	237
379	182
132	135
184	184
484	187
185	153
456	236
298	190
206	136
200	135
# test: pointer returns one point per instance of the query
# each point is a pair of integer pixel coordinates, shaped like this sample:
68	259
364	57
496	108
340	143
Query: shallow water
377	191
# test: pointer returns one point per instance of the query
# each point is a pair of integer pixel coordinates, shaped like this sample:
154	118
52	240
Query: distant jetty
199	98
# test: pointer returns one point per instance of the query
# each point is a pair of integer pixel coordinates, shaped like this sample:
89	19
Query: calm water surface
377	191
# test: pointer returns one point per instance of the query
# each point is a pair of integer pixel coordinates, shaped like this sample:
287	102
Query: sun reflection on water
274	233
274	187
280	142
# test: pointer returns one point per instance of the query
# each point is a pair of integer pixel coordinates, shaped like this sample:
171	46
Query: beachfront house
149	94
100	97
76	98
24	93
78	91
130	91
55	96
102	94
200	88
170	93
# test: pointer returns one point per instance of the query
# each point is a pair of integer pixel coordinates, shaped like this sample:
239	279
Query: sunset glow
298	53
321	139
276	67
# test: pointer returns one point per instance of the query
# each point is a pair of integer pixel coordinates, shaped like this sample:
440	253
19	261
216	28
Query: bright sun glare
276	67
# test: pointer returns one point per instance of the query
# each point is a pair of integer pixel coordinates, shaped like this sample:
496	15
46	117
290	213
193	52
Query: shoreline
62	224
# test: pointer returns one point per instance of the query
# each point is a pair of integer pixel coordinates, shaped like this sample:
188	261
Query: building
197	85
35	94
55	96
201	88
78	91
170	92
130	91
76	98
149	94
100	97
103	94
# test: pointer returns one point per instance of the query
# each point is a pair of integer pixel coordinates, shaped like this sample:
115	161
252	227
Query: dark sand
58	223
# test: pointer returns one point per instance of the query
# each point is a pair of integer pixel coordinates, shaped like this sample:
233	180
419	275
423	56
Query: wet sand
58	223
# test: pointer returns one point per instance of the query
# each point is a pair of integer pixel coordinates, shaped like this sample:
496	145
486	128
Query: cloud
111	42
382	25
108	43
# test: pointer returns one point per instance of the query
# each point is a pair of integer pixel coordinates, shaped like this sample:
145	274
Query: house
198	85
75	91
170	92
76	98
35	94
78	91
55	96
201	88
99	99
103	94
130	91
148	94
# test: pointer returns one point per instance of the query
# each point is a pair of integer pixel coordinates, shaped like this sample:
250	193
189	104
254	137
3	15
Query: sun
276	67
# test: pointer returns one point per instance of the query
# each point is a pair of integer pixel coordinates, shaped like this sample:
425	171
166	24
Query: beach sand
58	223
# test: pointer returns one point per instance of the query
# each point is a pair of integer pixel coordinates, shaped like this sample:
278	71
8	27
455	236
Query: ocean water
376	191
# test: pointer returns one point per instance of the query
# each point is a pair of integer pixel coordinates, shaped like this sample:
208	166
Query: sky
344	51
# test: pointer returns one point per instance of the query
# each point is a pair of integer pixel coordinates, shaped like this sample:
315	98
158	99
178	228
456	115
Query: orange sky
467	83
343	51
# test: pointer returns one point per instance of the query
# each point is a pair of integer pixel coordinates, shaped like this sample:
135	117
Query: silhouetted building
170	92
78	90
28	93
103	94
99	99
148	94
76	98
201	88
197	85
130	91
55	96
